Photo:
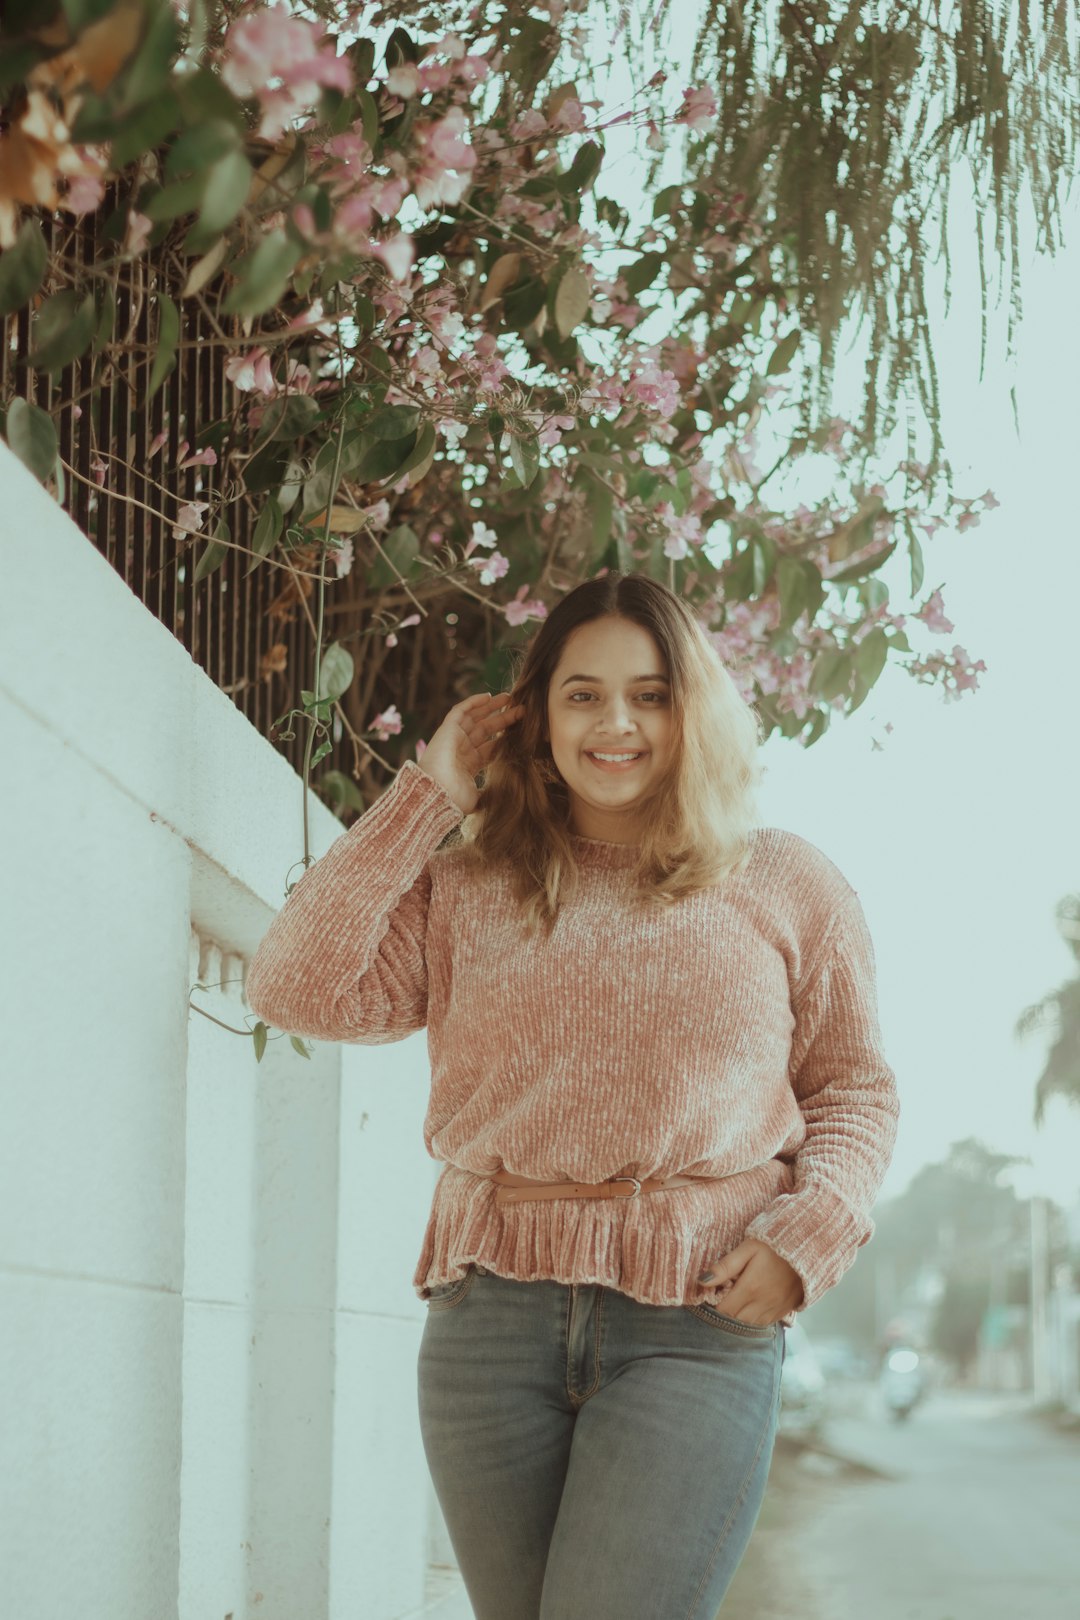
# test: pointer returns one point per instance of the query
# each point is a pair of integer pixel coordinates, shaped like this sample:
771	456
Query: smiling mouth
614	764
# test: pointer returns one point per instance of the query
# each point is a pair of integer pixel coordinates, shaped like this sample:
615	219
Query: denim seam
740	1499
579	1400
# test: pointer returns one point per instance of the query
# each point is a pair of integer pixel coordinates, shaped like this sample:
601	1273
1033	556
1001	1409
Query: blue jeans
595	1458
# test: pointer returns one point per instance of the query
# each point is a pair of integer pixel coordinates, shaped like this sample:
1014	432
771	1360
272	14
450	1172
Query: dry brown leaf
97	56
501	276
343	520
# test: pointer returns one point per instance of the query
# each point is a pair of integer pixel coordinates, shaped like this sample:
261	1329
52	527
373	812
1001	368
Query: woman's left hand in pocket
764	1287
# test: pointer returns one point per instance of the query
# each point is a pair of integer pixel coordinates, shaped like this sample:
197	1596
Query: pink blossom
967	520
990	502
386	723
473	70
933	614
392	640
156	443
251	371
682	532
656	389
698	110
519	610
84	193
570	115
553	429
492	368
435	75
491	568
199	458
279	59
137	232
445	160
189	519
421	749
452	432
404	80
451	45
343	558
100	470
481	536
528	126
398	253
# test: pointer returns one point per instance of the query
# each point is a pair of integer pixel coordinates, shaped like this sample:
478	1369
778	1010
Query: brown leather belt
514	1189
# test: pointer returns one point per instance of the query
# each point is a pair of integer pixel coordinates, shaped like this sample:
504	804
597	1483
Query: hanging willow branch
843	124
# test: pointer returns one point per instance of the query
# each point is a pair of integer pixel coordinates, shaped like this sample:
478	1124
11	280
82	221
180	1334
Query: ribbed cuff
817	1233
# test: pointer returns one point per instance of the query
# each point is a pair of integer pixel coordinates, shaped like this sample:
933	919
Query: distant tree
1059	1011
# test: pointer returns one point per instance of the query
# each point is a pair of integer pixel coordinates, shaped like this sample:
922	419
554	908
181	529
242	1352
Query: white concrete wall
208	1333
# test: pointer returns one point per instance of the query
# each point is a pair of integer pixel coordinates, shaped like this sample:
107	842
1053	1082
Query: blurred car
803	1387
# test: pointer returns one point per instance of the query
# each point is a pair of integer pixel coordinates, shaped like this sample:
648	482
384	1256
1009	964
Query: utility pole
1041	1379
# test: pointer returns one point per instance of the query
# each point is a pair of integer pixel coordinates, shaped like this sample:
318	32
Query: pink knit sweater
734	1036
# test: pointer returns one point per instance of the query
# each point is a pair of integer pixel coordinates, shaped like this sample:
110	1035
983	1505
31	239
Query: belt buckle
637	1186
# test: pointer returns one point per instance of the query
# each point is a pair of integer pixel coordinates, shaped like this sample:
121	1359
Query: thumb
728	1266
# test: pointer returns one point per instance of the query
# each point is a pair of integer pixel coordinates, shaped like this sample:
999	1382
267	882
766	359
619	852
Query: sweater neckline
602	852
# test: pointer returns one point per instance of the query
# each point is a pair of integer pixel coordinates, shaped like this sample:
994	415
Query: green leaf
783	354
201	146
341	790
584	169
262	275
417	463
369	114
298	1046
642	273
321	752
226	193
287	418
336	671
572	300
917	566
523	303
258	1036
831	673
22	268
181	197
401	546
392	422
525	457
867	565
62	331
32	437
792	586
143	130
870	655
168	338
214	553
381	458
148	74
267	531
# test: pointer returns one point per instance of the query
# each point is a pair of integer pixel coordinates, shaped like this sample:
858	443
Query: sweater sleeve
848	1098
344	959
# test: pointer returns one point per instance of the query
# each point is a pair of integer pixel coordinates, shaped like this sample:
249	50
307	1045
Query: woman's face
609	694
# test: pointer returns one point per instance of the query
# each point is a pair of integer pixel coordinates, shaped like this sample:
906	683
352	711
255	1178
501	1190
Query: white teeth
615	759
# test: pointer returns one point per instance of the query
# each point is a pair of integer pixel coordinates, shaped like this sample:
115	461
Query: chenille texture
732	1036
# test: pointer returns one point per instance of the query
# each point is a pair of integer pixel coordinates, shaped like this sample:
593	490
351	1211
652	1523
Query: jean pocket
444	1296
731	1324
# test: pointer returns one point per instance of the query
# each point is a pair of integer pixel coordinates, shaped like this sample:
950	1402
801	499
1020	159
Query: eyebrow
596	681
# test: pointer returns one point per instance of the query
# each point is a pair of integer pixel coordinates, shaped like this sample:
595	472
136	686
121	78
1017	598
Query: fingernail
703	1276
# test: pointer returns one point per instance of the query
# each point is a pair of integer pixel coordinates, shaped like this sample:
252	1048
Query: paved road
974	1516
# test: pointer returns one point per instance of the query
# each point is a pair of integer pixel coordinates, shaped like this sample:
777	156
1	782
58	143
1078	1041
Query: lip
608	765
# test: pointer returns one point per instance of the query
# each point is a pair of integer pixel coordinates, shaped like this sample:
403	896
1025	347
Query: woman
657	1082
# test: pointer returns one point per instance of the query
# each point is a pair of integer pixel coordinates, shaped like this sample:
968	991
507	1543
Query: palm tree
1060	1009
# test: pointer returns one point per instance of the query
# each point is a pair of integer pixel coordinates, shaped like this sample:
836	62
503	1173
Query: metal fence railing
248	631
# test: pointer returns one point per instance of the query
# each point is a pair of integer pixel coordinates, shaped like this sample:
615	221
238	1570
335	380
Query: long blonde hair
697	820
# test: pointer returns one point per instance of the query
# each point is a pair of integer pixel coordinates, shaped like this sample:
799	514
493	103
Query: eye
659	696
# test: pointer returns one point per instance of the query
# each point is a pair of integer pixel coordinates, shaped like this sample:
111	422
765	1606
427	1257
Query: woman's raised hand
464	743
